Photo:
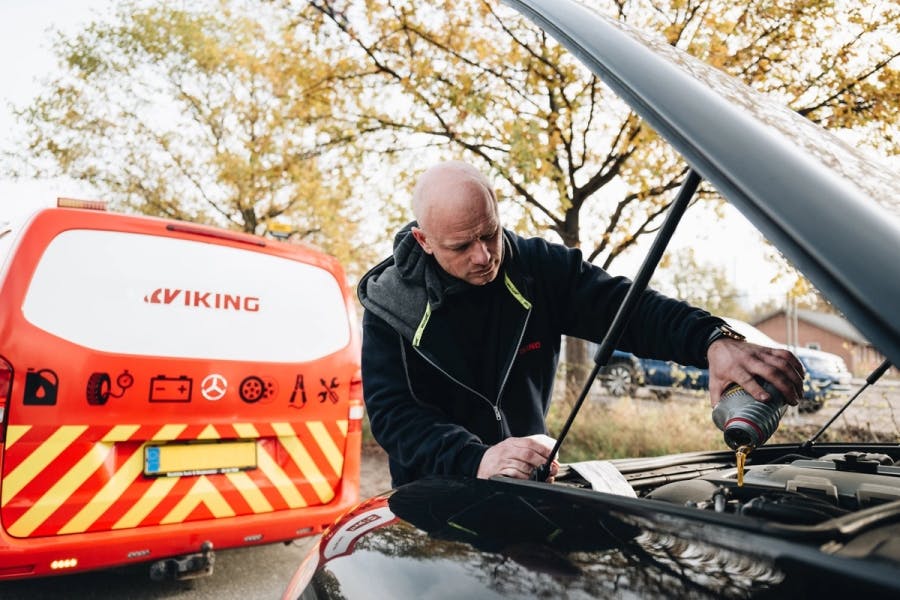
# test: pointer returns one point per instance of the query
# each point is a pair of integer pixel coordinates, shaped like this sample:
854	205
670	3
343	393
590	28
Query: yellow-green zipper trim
515	292
421	329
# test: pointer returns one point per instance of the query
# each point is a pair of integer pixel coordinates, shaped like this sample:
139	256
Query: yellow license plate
176	460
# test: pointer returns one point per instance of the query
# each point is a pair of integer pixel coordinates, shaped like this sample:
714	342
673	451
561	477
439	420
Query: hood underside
832	211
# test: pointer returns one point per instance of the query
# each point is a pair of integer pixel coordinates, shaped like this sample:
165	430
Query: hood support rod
873	377
628	306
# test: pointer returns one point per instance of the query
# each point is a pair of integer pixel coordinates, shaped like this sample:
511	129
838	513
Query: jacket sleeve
588	299
418	437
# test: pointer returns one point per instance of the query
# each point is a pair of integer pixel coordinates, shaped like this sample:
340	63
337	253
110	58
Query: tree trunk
578	363
577	367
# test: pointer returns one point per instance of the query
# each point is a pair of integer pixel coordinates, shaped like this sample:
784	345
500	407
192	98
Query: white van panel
138	294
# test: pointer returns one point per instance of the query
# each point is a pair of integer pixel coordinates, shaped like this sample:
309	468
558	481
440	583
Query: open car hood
808	522
797	183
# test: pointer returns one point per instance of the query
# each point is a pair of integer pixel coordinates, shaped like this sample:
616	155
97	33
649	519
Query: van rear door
165	373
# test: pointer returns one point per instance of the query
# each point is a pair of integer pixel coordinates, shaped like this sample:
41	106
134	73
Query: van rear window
139	294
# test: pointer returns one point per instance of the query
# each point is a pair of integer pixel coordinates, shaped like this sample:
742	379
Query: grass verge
623	427
608	428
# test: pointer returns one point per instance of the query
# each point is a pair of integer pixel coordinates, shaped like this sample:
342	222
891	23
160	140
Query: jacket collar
409	285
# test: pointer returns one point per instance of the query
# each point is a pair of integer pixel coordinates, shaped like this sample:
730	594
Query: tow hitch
188	566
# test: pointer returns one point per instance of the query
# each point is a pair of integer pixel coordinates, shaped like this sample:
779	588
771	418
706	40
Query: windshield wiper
870	380
626	309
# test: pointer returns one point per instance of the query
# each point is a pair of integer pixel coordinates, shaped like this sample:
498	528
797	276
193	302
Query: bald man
463	325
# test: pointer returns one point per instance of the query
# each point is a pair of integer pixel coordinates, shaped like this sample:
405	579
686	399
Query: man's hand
515	457
731	361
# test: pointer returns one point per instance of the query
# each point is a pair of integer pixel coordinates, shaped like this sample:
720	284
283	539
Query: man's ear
420	237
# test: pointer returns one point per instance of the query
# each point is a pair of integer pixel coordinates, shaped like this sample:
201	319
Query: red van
168	389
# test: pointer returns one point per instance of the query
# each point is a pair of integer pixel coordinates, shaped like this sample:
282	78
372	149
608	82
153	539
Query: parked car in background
625	373
826	374
811	520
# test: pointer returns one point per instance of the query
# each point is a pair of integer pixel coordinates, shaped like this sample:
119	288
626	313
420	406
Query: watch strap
723	331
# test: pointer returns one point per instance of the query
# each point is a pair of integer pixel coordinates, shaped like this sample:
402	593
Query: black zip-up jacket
423	406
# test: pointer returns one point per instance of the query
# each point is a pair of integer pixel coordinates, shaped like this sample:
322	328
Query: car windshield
820	363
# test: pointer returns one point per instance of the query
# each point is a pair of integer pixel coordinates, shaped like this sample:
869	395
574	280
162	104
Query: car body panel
468	538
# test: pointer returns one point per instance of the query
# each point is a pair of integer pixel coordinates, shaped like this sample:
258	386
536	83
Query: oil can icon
40	388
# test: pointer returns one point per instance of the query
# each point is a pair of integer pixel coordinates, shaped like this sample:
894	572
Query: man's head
458	221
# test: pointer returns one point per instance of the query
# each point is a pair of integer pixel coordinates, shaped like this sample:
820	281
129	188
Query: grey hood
400	287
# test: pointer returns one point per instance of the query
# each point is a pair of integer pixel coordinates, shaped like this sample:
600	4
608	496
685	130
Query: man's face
464	236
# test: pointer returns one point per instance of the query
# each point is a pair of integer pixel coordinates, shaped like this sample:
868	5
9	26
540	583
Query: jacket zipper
494	406
460	383
511	363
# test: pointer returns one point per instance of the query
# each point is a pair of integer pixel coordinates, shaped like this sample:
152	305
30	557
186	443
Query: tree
701	283
468	78
205	114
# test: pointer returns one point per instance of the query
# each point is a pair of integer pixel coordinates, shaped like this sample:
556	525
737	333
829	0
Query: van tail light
6	374
357	408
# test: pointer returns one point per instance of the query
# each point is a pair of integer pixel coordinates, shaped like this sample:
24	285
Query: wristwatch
723	330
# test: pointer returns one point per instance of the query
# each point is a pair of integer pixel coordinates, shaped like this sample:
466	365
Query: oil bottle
744	420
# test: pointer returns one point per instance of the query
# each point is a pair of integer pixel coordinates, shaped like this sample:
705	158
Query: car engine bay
799	490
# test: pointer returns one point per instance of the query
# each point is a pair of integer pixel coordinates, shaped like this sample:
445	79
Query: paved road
241	574
876	410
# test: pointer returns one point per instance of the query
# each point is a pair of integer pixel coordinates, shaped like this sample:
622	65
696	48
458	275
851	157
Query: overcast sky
26	58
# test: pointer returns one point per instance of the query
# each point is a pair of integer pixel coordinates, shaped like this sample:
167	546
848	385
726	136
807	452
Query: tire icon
98	388
252	389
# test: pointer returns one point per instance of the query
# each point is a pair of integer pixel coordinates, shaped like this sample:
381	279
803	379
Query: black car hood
467	538
797	183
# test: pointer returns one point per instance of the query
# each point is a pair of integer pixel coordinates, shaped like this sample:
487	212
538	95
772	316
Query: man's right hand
515	457
737	362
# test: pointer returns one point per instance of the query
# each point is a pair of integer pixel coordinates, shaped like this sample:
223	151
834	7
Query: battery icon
170	389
